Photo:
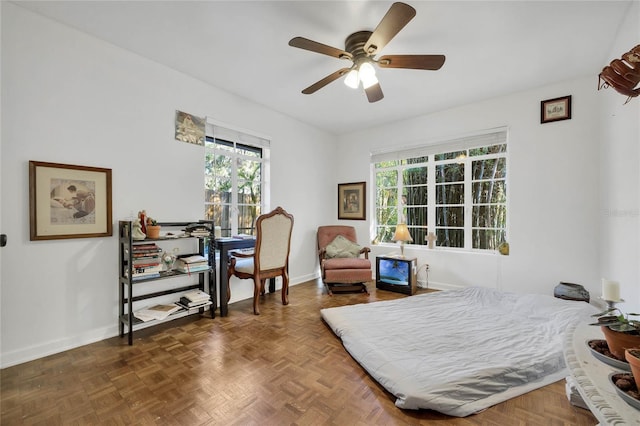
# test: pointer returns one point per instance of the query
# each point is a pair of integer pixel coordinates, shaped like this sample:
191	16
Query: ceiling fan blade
328	79
374	93
314	46
398	15
416	62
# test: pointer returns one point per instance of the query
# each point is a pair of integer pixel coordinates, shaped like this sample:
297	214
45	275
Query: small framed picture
68	201
352	201
555	109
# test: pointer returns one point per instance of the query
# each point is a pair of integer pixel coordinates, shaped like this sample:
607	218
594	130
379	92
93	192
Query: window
236	185
457	190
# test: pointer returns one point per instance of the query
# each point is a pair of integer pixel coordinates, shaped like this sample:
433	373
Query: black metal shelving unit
206	279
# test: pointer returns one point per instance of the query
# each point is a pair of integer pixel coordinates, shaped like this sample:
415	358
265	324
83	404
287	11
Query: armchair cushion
342	247
346	263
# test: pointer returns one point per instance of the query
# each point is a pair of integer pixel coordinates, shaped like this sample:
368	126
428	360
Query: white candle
217	232
610	290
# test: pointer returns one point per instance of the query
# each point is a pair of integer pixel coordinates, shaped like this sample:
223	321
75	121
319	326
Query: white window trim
223	131
492	136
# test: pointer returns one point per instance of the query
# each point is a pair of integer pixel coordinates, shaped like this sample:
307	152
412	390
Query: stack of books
195	299
191	263
198	230
146	261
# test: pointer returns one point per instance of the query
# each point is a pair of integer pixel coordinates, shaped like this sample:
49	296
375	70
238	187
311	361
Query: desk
592	378
225	245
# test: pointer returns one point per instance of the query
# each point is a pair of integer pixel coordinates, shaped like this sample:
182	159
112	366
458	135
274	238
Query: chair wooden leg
285	288
256	296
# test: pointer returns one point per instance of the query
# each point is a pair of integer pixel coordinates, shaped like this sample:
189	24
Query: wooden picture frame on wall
555	109
352	201
69	201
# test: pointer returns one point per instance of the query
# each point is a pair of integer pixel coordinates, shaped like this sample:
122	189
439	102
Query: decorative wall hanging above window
623	74
189	128
555	109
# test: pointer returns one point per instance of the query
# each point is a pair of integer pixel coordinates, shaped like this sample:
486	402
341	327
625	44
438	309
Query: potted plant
633	358
620	332
153	229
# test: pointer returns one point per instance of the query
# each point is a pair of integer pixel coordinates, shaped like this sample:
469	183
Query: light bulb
351	80
367	75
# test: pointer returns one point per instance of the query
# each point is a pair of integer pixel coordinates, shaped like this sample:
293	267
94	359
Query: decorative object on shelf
189	128
600	350
167	260
570	291
619	331
623	74
555	109
69	201
352	201
610	292
503	248
632	355
153	229
402	235
137	233
431	239
624	384
142	215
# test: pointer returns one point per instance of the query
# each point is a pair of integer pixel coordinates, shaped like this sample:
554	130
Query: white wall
553	180
70	98
619	204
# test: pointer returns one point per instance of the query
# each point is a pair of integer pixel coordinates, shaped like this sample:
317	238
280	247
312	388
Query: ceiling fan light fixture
367	75
352	80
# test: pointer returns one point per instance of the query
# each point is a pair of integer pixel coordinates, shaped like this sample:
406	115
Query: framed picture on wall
555	109
352	201
69	201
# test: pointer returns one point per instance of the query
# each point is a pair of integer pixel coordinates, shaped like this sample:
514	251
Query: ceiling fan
361	48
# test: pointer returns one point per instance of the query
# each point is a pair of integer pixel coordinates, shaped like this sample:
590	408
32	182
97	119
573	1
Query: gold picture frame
555	109
352	199
69	201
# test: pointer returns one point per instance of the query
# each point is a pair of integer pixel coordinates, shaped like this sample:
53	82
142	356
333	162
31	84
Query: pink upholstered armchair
344	265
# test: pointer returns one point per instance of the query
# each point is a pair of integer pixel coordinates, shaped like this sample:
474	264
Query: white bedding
459	351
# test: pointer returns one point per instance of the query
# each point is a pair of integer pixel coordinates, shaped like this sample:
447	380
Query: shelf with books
141	264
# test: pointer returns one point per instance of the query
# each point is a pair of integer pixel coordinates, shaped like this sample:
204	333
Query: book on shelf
146	263
147	269
196	296
188	269
198	230
143	256
192	263
145	276
143	247
192	258
199	233
184	302
156	312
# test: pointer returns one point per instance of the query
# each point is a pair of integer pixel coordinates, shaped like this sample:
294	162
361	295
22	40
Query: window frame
430	152
238	142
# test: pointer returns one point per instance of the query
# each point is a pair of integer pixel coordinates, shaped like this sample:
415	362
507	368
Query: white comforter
460	351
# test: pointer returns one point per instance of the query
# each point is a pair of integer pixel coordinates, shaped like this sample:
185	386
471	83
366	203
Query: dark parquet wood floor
284	367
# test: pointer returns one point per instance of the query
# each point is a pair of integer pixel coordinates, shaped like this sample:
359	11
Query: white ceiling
492	48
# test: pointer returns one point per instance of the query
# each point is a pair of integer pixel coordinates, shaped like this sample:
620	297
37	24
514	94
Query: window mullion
235	211
468	203
431	194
